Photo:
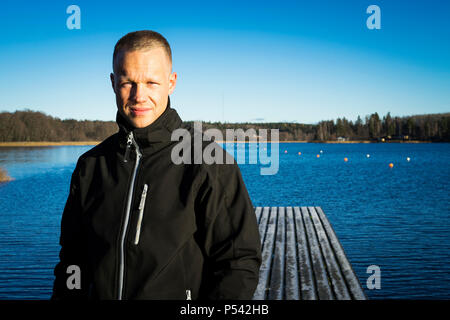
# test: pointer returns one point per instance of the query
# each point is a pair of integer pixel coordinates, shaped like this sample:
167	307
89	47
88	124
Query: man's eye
152	83
125	84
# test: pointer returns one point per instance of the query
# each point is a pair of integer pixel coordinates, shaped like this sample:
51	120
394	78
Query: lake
396	218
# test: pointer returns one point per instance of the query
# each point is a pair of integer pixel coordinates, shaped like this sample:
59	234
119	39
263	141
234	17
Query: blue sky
236	60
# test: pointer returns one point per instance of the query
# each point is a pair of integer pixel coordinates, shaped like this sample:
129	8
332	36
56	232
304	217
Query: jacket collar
153	137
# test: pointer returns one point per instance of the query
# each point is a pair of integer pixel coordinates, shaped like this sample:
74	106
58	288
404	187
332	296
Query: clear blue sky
236	60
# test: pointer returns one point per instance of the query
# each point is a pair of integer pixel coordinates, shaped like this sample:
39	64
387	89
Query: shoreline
93	143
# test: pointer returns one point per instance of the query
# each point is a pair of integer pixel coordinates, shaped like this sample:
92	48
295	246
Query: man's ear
111	76
172	82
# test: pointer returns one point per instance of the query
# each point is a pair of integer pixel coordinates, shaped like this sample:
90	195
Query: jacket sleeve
231	237
73	248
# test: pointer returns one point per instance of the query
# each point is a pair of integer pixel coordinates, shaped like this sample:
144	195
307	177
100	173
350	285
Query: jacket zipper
130	141
141	214
128	148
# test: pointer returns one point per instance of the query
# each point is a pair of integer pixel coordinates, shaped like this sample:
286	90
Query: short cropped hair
144	39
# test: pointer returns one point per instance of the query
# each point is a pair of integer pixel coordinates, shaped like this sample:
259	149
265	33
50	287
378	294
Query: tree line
432	127
30	125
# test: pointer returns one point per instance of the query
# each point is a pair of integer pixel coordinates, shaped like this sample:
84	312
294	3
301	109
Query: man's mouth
139	111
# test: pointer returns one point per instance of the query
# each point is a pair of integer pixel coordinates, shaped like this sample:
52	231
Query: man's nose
140	94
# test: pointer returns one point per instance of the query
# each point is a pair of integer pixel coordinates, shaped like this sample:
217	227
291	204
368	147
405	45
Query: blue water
396	218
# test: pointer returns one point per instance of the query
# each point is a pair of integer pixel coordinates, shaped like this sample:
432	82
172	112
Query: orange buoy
345	159
299	153
391	165
318	156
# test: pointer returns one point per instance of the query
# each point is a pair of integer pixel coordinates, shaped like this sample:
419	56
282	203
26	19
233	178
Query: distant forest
30	125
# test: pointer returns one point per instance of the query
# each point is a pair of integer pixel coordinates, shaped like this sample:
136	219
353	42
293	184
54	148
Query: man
138	226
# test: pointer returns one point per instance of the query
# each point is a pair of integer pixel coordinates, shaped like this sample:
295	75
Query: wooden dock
302	257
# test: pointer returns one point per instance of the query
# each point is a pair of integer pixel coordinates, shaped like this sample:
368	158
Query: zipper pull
141	214
128	148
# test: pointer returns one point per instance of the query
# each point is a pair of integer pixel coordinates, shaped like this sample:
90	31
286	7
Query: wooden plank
257	213
323	287
267	252
276	291
263	224
334	273
352	281
292	290
262	232
308	289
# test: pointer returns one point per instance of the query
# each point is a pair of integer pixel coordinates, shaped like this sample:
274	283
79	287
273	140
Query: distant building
342	139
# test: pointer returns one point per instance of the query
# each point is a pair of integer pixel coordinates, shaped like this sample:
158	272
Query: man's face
142	81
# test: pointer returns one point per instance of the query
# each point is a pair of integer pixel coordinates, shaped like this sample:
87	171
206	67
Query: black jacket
150	229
